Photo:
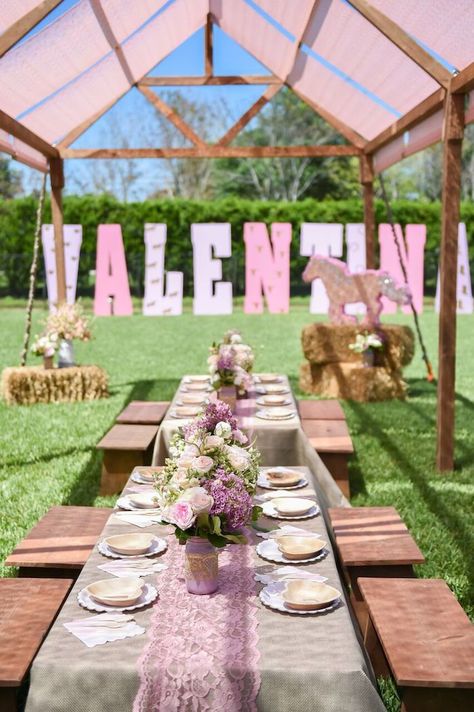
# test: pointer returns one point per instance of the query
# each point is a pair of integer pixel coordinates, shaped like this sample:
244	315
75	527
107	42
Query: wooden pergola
446	104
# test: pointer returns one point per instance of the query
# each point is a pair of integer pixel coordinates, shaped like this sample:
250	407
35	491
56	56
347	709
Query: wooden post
453	131
367	181
208	48
56	168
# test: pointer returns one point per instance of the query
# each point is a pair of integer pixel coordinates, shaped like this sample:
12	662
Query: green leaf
216	523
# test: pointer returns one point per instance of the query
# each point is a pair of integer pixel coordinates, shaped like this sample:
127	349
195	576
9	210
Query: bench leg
337	466
357	600
436	699
117	467
8	699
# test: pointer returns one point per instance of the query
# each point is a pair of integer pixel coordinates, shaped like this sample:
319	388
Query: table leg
8	699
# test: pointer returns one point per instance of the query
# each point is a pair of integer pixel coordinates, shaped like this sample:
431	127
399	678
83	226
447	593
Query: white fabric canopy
70	71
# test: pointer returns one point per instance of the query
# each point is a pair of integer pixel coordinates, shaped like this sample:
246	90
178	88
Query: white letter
207	271
320	239
72	249
157	301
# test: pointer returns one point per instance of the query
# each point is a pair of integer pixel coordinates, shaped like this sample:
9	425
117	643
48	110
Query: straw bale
351	381
35	384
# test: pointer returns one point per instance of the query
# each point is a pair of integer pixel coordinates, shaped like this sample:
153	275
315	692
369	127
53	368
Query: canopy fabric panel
22	152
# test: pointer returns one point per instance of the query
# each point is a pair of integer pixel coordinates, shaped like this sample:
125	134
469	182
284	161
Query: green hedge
17	220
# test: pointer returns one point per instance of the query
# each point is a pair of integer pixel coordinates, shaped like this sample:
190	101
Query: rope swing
33	273
429	368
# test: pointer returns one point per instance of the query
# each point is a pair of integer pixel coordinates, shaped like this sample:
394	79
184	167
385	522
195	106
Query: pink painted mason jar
200	566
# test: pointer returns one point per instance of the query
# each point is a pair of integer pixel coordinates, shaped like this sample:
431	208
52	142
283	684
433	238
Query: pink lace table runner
202	652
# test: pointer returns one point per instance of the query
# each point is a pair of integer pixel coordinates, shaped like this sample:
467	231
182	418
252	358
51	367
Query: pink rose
181	513
212	442
202	464
199	499
239	436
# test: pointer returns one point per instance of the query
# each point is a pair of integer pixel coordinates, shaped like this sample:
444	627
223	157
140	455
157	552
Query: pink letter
112	291
414	262
267	269
72	248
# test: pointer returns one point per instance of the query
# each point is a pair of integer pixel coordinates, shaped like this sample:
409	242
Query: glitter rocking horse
343	288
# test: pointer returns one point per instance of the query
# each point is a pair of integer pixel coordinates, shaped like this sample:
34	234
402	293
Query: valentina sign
267	266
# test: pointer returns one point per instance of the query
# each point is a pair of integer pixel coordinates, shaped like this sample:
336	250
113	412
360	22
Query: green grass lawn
48	454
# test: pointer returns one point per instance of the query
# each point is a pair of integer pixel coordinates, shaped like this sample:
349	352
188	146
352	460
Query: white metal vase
65	354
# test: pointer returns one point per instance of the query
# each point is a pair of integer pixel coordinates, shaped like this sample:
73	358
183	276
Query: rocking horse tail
400	295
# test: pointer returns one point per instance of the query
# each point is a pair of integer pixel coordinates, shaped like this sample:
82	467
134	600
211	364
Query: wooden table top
143	412
63	538
373	536
321	410
426	636
28	608
128	437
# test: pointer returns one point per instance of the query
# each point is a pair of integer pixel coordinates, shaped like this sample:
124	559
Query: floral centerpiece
205	490
230	364
45	345
68	322
365	344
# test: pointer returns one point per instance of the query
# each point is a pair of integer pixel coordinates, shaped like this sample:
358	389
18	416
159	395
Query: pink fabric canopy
70	72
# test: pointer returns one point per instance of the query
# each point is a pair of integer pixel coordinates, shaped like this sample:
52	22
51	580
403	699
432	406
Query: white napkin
139	520
104	628
133	567
285	529
283	493
286	573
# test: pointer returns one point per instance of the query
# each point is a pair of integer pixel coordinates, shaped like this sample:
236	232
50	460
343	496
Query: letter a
112	291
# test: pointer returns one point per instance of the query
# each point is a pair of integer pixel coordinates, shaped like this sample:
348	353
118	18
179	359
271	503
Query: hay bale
35	384
351	381
329	343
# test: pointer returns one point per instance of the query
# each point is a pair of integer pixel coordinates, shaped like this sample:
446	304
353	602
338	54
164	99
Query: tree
10	180
287	121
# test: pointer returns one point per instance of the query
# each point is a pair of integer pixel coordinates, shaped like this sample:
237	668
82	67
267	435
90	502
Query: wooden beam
267	96
208	48
423	110
453	131
172	116
13	127
226	80
25	24
56	166
403	41
210	151
464	81
352	136
109	35
367	182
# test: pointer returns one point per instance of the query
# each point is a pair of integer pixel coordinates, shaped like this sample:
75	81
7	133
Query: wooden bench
333	443
143	413
28	608
418	628
60	544
320	410
125	447
372	541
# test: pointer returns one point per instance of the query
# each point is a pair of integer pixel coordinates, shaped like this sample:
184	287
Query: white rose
199	499
212	442
185	460
223	430
235	339
202	464
180	476
238	457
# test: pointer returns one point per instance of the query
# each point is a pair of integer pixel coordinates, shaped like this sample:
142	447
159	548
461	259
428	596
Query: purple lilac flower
230	498
225	363
217	412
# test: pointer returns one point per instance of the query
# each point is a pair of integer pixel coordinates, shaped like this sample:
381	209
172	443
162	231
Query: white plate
267	414
124	503
196	388
265	378
270	511
157	546
149	594
269	550
136	477
271	596
263	482
197	379
197	404
261	402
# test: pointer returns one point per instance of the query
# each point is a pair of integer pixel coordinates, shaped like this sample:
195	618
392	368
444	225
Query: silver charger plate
268	549
124	503
264	415
271	596
149	594
157	546
270	511
263	482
